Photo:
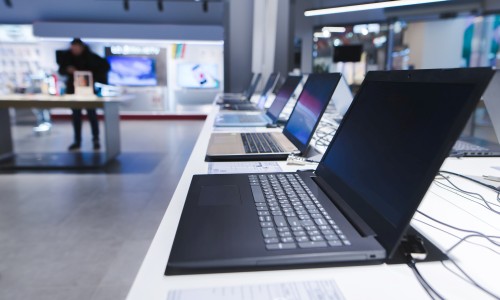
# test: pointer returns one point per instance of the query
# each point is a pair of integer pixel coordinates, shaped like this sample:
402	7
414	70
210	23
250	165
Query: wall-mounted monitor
197	76
347	53
132	71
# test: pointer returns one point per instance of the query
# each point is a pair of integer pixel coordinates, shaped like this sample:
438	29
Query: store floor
72	235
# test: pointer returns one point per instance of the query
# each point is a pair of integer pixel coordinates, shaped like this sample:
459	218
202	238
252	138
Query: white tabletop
363	282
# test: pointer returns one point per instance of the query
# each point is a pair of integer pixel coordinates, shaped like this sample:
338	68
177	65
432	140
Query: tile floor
71	235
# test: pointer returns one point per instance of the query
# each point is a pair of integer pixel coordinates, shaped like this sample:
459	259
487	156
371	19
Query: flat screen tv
347	53
132	71
197	76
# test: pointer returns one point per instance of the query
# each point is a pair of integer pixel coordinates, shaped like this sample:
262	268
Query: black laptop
358	203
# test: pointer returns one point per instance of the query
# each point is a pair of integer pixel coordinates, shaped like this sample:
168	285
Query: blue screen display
313	100
132	71
283	95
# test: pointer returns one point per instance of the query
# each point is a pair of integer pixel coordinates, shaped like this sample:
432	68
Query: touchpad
219	195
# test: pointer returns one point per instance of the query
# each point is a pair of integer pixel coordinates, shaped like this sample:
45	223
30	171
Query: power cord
496	189
476	200
427	287
461	229
467	278
470	193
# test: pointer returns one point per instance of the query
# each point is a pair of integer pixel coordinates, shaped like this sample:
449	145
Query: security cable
470	193
458	237
465	196
467	278
496	189
488	237
427	287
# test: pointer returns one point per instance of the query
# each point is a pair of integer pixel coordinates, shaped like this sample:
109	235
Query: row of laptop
315	95
358	203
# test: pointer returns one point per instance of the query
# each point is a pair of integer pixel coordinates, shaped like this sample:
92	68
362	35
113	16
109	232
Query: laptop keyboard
260	142
290	215
462	146
250	118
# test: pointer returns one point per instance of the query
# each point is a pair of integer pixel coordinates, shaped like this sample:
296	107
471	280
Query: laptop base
433	255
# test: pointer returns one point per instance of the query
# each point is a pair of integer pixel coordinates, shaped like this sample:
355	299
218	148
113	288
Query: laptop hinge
358	223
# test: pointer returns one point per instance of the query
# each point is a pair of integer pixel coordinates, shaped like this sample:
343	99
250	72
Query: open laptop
296	134
473	146
358	203
245	96
270	117
248	105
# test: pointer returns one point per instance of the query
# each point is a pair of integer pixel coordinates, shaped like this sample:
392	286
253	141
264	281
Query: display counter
382	281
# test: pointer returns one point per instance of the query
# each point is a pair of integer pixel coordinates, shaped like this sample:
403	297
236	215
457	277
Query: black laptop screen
310	106
282	97
382	157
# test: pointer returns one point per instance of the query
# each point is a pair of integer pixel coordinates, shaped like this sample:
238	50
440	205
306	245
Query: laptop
270	117
472	146
248	105
245	96
296	134
358	203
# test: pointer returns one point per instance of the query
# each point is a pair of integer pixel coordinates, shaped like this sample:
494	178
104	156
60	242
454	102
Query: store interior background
228	43
103	222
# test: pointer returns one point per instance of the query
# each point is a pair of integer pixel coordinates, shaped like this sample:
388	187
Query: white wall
436	44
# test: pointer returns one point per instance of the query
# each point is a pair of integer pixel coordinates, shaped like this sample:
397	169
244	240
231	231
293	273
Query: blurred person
79	57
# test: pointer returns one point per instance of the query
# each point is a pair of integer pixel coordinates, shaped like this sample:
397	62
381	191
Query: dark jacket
88	61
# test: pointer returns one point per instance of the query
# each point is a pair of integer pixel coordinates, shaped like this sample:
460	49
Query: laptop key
302	239
269	232
320	244
280	246
335	243
320	221
258	196
306	222
287	240
271	240
316	238
266	224
293	221
331	237
280	221
285	234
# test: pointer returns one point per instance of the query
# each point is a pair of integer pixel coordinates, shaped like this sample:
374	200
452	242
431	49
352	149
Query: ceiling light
333	29
366	6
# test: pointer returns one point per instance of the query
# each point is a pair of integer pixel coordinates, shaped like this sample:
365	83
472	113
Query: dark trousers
77	124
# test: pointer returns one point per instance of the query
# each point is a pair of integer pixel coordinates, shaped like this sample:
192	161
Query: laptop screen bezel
387	234
289	80
335	77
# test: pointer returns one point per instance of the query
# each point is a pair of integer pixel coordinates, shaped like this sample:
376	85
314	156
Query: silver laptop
245	95
248	105
472	146
296	135
251	119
